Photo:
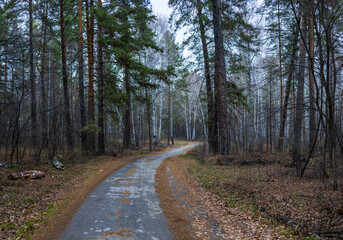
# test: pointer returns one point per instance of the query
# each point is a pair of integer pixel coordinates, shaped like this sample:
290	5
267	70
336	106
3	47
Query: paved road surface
124	206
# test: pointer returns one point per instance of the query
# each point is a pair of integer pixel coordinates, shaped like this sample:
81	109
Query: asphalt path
124	206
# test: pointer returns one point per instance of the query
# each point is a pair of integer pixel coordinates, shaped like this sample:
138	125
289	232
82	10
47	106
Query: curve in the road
124	206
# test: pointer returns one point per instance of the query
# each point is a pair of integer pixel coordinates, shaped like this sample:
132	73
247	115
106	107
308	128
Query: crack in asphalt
124	206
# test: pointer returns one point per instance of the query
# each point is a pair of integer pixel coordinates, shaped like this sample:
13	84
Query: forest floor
255	196
31	208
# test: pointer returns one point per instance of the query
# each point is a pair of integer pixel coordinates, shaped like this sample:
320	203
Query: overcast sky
160	7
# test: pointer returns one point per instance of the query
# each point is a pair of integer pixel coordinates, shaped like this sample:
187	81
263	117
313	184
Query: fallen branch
26	175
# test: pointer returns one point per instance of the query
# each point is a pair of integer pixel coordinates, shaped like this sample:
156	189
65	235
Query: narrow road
124	206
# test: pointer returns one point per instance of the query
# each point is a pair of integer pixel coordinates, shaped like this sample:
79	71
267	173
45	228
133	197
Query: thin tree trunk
43	73
186	122
32	82
250	124
101	136
133	131
71	89
194	125
280	69
312	117
169	122
90	49
81	84
127	125
300	97
203	122
280	53
154	119
159	133
212	140
149	121
287	93
331	95
270	114
69	128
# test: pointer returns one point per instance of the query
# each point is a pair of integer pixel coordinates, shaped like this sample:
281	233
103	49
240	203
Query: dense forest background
93	77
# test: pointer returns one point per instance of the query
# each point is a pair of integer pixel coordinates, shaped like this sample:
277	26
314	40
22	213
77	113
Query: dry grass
265	183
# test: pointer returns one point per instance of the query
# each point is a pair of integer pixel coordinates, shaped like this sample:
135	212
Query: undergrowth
214	178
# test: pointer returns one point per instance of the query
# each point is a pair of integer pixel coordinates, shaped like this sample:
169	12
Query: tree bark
287	93
101	136
300	97
90	49
280	62
149	119
127	124
169	122
81	84
43	73
212	140
69	128
32	82
312	117
220	80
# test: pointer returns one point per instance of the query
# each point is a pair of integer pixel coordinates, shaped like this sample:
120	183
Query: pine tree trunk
69	128
101	136
90	49
220	80
127	124
212	143
81	84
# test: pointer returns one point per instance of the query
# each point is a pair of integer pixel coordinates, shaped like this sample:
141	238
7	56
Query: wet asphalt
124	206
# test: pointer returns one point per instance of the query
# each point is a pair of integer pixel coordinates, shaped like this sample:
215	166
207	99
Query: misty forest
257	85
